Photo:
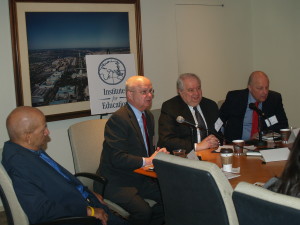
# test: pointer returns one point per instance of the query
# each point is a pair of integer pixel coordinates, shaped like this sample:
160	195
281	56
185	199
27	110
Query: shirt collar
137	113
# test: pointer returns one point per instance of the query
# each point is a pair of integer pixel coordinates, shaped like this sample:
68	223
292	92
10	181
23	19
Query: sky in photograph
52	30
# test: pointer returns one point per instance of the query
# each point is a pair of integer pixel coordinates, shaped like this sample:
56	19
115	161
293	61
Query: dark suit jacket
233	110
174	135
42	192
123	148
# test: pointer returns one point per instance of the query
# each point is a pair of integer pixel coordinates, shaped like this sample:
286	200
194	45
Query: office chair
259	206
156	114
86	140
14	212
194	192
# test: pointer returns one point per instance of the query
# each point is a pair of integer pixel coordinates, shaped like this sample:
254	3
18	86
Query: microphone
180	119
261	113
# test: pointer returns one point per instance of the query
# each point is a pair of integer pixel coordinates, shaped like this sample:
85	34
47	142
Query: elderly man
45	190
195	109
240	121
128	145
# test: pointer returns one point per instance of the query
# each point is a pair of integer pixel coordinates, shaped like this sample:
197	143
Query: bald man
237	116
45	190
128	145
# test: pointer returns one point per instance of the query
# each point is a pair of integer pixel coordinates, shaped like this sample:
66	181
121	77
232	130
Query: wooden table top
252	168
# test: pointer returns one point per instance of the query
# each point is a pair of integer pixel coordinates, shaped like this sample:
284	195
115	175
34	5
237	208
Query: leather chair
194	192
259	206
86	139
14	212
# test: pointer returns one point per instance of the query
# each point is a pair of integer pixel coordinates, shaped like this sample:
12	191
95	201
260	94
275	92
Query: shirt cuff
195	146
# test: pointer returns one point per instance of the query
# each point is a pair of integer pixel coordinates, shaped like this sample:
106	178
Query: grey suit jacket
123	148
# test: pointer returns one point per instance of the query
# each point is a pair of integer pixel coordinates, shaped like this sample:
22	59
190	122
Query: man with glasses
128	145
189	104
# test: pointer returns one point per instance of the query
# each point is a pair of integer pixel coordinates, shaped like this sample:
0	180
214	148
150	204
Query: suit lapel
150	127
135	125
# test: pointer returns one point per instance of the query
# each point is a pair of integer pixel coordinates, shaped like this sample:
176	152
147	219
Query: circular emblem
112	71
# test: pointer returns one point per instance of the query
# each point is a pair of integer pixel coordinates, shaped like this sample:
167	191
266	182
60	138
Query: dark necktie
54	165
254	128
146	133
201	124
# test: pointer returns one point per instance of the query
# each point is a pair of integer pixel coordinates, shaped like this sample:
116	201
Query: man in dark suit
237	116
128	145
188	103
45	190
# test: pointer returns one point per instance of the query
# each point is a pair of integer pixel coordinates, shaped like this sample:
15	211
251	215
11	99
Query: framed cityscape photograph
50	41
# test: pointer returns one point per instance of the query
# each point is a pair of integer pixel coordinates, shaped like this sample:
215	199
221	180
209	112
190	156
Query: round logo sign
112	71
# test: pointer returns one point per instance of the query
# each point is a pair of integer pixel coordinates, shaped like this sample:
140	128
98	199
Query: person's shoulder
176	100
207	100
274	93
121	111
15	156
238	92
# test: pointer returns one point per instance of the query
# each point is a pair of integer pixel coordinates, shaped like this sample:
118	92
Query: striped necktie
146	133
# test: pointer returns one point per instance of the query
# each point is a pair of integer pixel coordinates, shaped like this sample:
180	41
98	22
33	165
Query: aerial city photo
57	45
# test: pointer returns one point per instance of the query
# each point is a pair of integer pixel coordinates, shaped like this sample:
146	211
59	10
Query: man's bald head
22	122
258	85
139	92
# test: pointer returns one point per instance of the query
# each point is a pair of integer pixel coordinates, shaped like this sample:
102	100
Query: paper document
277	154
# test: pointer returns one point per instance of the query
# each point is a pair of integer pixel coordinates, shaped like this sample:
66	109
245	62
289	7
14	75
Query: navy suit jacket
43	193
233	110
174	135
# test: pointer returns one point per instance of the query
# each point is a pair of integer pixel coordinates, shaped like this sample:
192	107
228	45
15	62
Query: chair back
194	192
14	212
156	114
86	140
259	206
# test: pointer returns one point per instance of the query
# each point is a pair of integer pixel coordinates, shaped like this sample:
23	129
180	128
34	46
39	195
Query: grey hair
182	77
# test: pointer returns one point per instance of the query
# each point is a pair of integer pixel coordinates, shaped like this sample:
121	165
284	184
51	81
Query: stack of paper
277	154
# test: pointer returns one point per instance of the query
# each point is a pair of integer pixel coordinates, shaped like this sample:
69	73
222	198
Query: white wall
215	43
262	36
276	49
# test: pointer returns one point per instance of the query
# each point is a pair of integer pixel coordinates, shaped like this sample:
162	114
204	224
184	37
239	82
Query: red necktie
146	132
254	121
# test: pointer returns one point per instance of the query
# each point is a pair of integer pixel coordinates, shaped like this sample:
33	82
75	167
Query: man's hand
209	142
148	161
99	214
99	197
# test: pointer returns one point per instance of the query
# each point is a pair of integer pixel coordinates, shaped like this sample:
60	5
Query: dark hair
290	178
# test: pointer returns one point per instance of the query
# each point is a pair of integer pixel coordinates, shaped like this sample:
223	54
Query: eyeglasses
150	91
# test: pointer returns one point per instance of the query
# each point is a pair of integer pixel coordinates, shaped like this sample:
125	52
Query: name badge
218	124
271	120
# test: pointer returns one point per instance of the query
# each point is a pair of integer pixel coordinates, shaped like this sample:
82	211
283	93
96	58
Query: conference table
252	168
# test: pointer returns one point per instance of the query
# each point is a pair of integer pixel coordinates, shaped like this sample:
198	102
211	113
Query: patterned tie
54	165
146	133
254	128
201	124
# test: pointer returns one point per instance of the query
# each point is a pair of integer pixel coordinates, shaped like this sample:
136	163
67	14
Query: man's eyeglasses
151	91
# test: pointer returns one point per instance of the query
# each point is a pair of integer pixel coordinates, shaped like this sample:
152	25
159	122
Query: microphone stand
260	142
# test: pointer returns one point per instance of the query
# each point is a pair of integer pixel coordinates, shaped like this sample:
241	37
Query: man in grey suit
128	145
187	104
